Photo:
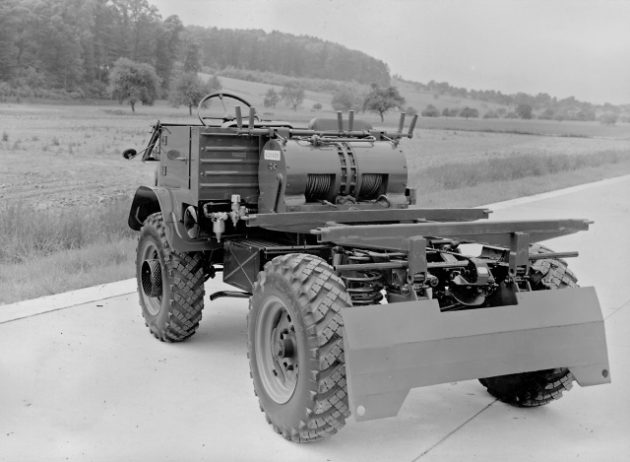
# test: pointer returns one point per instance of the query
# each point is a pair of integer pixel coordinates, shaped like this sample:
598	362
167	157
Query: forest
56	48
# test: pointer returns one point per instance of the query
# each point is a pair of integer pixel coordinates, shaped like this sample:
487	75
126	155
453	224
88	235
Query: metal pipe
398	265
252	116
543	256
412	126
239	117
371	266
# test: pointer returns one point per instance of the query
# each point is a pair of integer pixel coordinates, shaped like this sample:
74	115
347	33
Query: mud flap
392	348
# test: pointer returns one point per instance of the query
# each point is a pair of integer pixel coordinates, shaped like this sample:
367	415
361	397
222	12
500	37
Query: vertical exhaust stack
252	117
412	127
239	117
401	123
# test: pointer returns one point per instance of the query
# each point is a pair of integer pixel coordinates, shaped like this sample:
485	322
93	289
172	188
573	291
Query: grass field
65	189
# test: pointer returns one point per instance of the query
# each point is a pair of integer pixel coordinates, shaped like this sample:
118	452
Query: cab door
175	157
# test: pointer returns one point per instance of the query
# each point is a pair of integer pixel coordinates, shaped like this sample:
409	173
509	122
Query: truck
356	294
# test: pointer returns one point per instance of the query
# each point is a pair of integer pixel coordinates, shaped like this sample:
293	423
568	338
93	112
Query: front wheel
170	284
295	347
532	389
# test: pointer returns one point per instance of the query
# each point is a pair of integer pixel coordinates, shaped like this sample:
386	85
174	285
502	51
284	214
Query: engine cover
299	175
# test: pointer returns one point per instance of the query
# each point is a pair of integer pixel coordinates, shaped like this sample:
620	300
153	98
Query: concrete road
89	383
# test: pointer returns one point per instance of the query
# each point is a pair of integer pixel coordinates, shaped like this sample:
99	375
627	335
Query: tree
524	111
469	112
271	98
188	89
430	111
191	57
293	94
133	82
381	100
344	99
168	48
10	16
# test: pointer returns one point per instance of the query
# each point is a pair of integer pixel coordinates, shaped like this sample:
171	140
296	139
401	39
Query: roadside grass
428	195
69	269
31	233
51	251
457	175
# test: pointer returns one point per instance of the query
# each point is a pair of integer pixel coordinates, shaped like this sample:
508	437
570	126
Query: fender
149	200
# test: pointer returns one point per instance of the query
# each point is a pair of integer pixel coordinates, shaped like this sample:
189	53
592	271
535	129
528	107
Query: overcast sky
565	48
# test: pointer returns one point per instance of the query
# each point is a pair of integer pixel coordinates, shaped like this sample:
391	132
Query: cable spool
370	185
318	187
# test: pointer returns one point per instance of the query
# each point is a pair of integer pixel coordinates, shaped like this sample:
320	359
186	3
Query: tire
170	284
537	388
295	347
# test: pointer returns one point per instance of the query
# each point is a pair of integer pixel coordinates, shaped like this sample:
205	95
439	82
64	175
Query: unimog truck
356	295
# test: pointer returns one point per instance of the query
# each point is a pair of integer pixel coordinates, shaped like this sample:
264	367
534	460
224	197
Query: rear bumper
392	348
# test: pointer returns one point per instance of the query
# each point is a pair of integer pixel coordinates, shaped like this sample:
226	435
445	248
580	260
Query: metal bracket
519	251
417	255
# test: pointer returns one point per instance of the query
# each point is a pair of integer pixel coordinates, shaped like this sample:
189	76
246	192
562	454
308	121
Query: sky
577	48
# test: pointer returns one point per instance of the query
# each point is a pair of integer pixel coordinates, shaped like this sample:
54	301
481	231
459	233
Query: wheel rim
276	350
153	303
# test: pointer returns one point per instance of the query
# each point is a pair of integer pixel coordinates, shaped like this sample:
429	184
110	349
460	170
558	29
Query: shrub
430	111
469	112
446	112
411	110
608	118
547	114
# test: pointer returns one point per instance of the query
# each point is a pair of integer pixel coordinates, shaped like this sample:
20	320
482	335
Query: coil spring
364	287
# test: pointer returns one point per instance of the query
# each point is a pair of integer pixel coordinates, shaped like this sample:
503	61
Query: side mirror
130	153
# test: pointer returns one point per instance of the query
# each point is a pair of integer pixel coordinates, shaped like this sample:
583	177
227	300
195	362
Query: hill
287	54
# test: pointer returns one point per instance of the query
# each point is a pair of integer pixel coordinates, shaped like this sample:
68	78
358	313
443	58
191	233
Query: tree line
69	47
541	105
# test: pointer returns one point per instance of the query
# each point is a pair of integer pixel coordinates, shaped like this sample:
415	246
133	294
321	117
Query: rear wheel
170	284
295	347
531	389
